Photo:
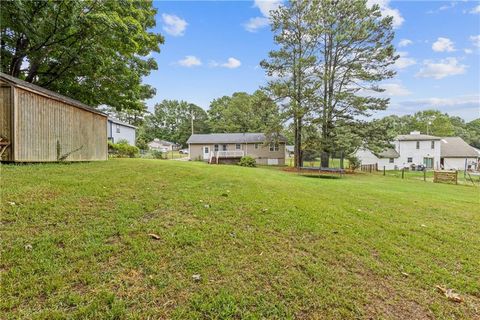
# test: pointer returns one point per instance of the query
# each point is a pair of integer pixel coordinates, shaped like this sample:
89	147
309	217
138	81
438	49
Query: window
224	147
256	145
418	144
118	128
391	160
238	146
409	160
433	145
215	147
273	146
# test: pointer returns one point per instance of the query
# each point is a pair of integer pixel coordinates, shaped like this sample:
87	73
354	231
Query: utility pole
191	119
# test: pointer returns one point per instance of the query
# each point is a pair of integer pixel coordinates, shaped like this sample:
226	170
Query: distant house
456	154
416	149
39	125
289	150
162	145
118	130
230	147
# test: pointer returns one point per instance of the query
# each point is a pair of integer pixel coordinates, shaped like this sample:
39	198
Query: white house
456	154
420	149
409	150
162	145
119	130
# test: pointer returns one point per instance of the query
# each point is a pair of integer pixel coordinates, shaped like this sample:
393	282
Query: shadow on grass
317	176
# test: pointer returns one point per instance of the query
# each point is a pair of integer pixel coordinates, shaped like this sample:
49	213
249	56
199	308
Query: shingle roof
230	138
388	153
416	137
32	87
113	120
455	147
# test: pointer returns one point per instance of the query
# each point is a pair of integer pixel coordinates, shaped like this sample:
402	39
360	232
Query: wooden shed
39	125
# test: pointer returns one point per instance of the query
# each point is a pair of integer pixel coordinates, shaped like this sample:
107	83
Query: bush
157	154
354	162
247	161
122	150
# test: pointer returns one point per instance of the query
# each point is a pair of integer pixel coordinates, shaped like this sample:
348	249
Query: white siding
366	156
127	133
457	163
408	149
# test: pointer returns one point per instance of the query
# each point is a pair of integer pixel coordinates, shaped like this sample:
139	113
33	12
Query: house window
391	160
215	147
433	145
238	146
273	146
118	128
256	145
418	144
224	147
409	160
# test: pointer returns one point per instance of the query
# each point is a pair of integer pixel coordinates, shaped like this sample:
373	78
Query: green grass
266	243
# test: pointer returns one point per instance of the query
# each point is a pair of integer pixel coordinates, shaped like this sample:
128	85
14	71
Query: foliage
122	141
278	246
354	162
435	123
172	121
92	51
243	112
247	161
157	154
331	57
123	150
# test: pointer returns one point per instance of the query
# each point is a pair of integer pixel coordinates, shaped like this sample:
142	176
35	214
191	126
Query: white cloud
444	7
442	45
173	25
475	40
441	69
404	61
475	10
405	42
266	6
388	11
190	61
253	24
231	63
468	51
394	90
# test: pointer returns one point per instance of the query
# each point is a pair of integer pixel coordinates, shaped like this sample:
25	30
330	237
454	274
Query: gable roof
157	143
416	137
456	147
116	121
231	138
51	94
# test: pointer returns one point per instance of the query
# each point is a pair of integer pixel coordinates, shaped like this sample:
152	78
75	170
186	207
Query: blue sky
213	49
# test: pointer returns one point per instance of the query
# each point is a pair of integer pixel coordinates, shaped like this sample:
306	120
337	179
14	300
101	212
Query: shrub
122	141
122	150
157	154
247	161
354	162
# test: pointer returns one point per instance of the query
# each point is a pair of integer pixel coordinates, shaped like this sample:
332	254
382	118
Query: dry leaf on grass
450	294
154	236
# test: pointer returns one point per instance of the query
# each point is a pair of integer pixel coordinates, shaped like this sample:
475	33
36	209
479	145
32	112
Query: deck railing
215	155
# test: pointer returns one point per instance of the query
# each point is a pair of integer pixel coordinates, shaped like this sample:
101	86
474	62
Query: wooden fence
369	167
445	177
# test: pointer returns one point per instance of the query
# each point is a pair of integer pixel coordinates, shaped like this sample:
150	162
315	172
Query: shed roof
388	153
231	138
456	147
37	89
116	121
416	137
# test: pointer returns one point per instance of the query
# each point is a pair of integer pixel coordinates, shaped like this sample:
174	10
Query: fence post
383	170
403	172
425	174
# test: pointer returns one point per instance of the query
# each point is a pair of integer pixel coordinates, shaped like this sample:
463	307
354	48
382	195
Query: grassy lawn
266	243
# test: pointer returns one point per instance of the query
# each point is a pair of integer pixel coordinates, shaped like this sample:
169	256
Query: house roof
416	137
158	142
230	138
456	147
51	94
388	153
116	121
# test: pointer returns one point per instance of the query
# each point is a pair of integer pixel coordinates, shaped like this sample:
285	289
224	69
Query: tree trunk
325	157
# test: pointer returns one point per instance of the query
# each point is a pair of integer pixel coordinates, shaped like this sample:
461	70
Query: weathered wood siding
6	118
41	121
